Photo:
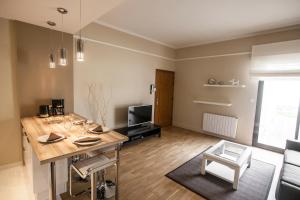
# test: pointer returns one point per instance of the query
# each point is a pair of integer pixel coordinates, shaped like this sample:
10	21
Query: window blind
276	59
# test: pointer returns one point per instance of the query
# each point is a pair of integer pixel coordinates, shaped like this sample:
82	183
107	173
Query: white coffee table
228	161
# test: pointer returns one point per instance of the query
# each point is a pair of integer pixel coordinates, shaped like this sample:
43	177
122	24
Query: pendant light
63	50
52	64
79	43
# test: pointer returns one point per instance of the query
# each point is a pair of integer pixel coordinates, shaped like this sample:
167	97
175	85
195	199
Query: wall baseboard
10	165
189	128
186	127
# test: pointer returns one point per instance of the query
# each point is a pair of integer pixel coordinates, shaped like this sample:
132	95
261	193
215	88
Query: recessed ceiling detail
38	12
185	23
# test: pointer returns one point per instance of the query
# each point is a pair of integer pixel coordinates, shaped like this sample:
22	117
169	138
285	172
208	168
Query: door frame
257	122
156	97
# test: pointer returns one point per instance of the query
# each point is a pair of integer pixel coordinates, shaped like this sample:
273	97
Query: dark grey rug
253	185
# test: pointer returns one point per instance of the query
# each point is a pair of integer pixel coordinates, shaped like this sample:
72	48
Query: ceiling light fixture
79	43
52	64
62	51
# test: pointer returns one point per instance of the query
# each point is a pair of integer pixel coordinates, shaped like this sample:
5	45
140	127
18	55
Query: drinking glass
68	123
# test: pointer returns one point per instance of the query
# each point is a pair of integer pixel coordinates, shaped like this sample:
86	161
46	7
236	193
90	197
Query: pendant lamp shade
63	57
51	61
79	50
62	50
80	43
52	64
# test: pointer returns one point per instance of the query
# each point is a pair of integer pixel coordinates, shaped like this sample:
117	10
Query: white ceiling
39	11
180	23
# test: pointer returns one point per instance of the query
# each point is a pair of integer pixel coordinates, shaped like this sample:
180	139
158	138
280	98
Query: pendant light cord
51	40
80	20
51	36
62	33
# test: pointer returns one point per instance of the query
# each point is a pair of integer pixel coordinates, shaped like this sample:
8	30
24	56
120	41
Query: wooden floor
144	165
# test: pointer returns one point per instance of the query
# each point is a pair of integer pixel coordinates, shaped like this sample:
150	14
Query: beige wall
192	74
10	140
124	75
111	36
26	81
124	66
37	83
237	45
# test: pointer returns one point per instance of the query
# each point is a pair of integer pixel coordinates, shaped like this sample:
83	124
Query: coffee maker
44	111
58	107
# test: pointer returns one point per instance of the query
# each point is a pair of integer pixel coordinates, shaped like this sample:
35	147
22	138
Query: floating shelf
225	86
216	103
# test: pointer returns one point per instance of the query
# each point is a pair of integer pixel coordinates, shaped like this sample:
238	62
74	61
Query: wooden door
164	82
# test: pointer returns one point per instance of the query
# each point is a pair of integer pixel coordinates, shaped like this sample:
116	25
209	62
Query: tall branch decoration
98	102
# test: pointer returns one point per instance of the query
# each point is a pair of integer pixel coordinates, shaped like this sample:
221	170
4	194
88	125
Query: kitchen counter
45	156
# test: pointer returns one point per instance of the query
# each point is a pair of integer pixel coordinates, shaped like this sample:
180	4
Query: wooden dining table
35	127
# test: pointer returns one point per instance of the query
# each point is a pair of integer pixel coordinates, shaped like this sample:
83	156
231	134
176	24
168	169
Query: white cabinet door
39	174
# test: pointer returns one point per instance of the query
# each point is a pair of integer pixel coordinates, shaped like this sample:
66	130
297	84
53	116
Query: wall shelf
225	86
216	103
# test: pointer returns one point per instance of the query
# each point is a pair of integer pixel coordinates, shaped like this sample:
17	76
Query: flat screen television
138	115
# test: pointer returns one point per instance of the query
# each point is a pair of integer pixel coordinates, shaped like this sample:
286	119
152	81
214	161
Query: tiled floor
184	144
14	184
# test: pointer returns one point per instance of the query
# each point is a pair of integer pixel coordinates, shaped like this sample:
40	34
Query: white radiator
220	125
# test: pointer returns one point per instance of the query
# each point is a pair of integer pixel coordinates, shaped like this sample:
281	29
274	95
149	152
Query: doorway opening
277	113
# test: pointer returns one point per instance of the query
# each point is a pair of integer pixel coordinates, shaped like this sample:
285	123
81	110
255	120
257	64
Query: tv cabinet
139	132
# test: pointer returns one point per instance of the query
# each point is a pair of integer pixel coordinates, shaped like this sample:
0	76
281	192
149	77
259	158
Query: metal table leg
117	170
94	186
52	179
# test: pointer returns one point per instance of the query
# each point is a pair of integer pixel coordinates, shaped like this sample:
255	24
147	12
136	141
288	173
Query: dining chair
91	167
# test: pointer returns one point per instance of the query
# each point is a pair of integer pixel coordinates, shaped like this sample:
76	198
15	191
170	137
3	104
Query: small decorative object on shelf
212	81
225	86
234	82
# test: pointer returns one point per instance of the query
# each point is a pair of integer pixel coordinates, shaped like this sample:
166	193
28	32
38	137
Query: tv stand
139	132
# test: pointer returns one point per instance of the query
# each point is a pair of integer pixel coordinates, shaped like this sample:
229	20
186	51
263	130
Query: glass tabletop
228	150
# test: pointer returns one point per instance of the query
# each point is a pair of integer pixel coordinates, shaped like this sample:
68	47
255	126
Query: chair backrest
92	165
101	151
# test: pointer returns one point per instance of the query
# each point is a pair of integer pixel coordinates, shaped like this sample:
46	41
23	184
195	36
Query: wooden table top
35	127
